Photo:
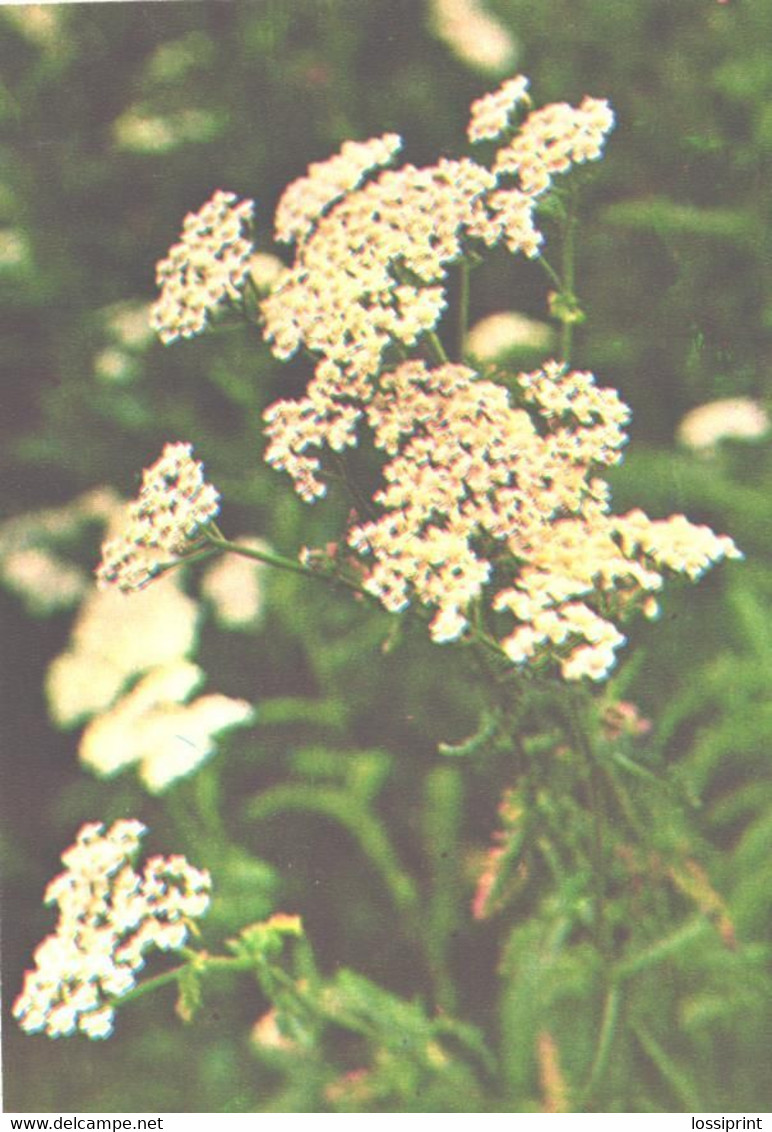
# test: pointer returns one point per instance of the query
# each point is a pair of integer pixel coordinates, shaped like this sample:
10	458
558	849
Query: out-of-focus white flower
14	249
172	60
731	418
98	505
115	365
41	24
115	637
140	130
233	585
127	333
53	525
45	581
500	334
128	324
474	36
156	730
110	916
30	563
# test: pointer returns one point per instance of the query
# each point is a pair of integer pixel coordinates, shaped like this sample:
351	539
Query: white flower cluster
110	917
491	114
206	269
483	489
370	276
154	729
554	138
372	263
479	488
175	501
327	181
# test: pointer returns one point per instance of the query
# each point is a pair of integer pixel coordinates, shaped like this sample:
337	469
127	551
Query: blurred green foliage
339	804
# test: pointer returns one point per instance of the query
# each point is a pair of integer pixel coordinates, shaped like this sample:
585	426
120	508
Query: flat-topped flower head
206	269
370	273
304	201
495	498
174	503
491	496
374	258
110	917
554	138
491	115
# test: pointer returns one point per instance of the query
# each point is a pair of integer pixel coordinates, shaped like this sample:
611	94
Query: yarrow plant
493	508
490	522
110	917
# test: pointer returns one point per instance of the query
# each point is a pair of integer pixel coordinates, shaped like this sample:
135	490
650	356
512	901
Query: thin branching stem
569	278
463	309
606	1034
551	273
580	738
199	960
268	558
436	348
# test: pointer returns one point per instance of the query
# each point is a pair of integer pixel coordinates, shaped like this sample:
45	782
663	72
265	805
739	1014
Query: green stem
569	277
663	948
625	803
552	274
218	540
579	736
188	559
679	1082
200	960
603	1049
183	817
360	502
205	785
436	347
268	558
463	308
